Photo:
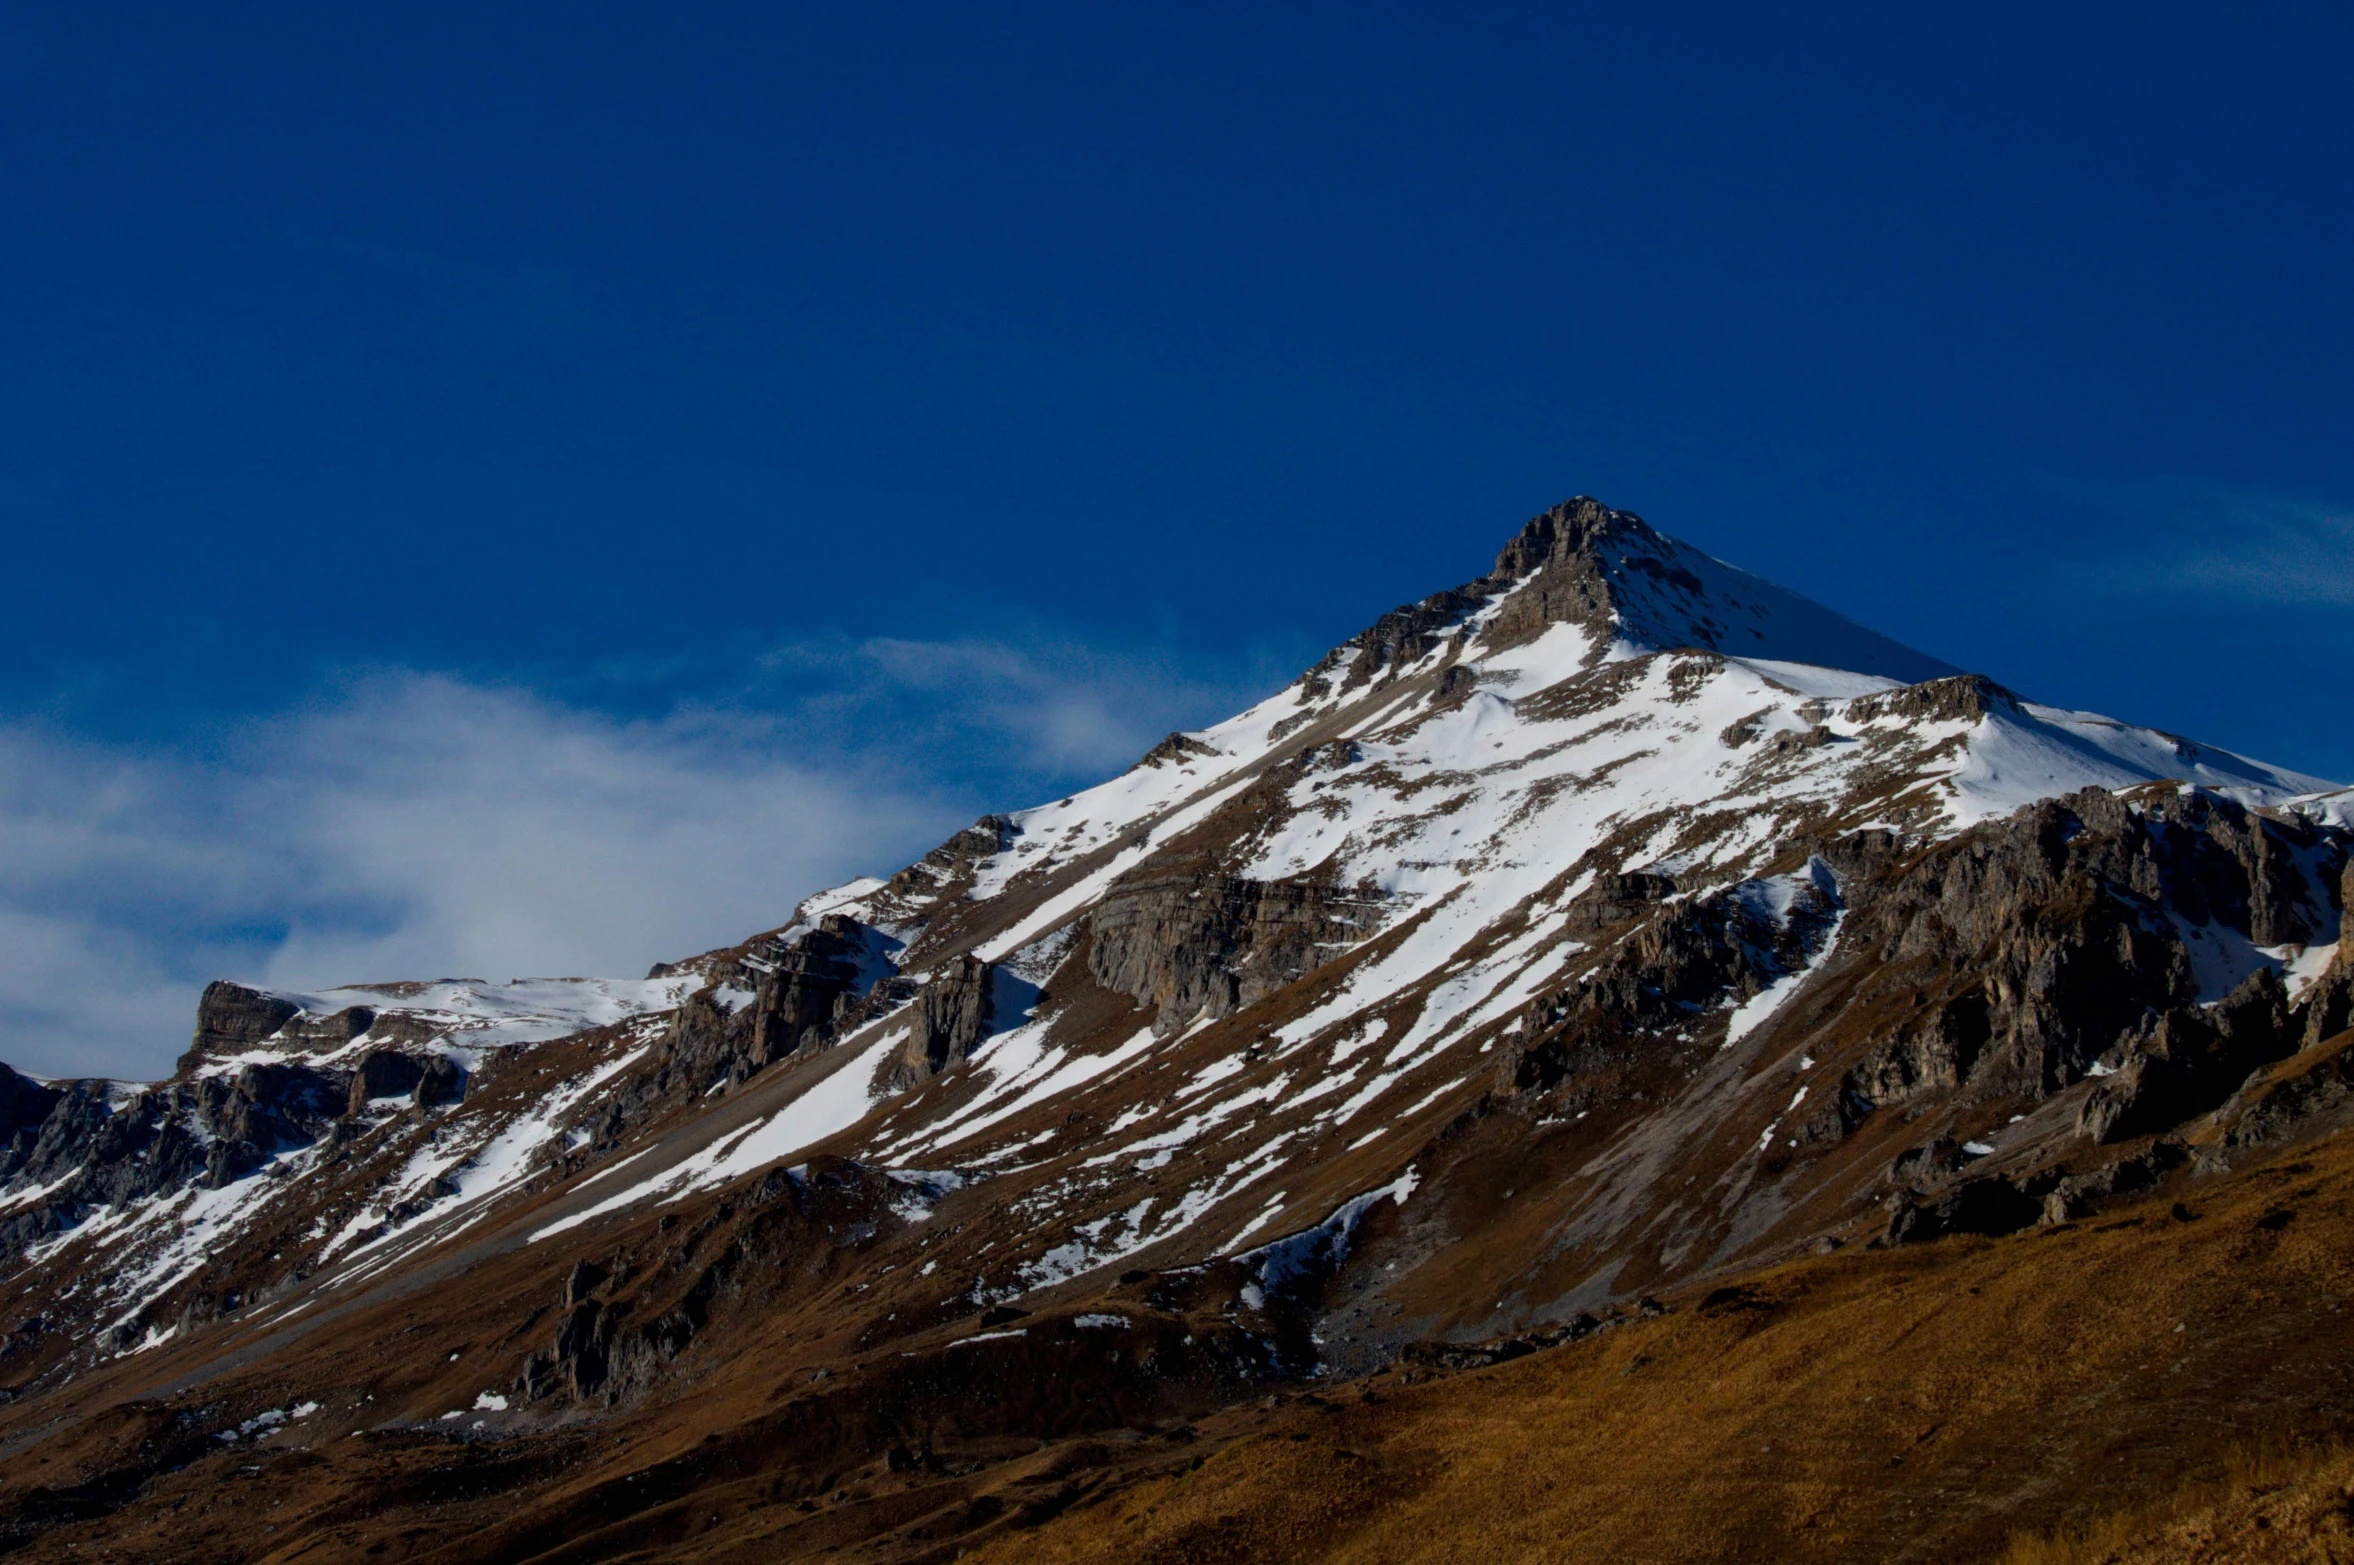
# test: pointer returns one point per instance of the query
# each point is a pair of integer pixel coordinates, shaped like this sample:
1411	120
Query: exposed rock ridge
1574	559
1179	936
1567	550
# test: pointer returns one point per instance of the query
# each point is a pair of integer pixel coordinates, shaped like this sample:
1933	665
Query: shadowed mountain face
1596	934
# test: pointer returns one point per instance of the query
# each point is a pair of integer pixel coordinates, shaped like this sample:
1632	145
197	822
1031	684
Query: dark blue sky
598	353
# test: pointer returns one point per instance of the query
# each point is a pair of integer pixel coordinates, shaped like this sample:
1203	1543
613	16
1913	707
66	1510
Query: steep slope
1920	1404
1611	923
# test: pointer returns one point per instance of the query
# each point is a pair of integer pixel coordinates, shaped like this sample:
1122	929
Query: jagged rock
383	1073
231	1017
1174	935
335	1027
1175	751
952	1014
586	1277
2058	927
1402	636
803	1001
442	1081
1934	1160
24	1104
2078	1195
1676	967
1618	900
577	1359
2108	1110
2277	1105
1835	1118
1787	740
1571	575
95	1151
1973	1206
2190	1061
949	866
813	985
2329	1004
1568	581
1960	698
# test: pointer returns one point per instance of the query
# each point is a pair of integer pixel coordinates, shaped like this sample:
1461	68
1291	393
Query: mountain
1543	967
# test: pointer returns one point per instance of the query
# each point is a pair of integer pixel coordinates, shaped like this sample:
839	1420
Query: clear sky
514	487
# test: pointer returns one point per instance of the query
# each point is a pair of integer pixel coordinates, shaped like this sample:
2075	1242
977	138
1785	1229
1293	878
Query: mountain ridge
1530	954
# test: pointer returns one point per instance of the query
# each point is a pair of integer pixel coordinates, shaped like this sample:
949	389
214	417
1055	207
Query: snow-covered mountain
1603	925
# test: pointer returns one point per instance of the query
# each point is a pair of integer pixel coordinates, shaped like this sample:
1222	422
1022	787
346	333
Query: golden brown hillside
1921	1403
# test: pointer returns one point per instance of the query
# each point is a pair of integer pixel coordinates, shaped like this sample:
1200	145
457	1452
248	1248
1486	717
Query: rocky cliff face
1608	924
1188	942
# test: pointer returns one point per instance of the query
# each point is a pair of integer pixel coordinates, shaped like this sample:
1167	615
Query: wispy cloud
1030	712
417	825
2246	549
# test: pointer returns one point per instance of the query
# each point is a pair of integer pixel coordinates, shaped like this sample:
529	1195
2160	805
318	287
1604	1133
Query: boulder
383	1073
443	1081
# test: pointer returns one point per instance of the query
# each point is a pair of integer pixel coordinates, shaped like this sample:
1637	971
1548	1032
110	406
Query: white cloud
1038	708
419	826
492	828
2241	548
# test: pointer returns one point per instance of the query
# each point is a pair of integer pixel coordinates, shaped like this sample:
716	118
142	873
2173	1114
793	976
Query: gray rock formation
953	1014
1178	935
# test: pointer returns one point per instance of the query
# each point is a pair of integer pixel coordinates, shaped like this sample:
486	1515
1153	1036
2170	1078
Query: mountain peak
1639	590
1579	527
1633	590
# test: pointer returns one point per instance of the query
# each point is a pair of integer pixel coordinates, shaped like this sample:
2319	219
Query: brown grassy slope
1928	1402
2292	1508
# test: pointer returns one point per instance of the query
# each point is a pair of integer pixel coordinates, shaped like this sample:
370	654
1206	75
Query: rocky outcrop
2189	1061
1686	961
1972	1206
953	1013
1562	554
231	1017
1403	636
1618	899
1177	934
2012	960
1959	698
810	986
2329	1004
383	1073
1175	750
2315	1086
24	1104
705	1046
623	1320
808	996
442	1082
94	1149
2015	956
1562	550
949	867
